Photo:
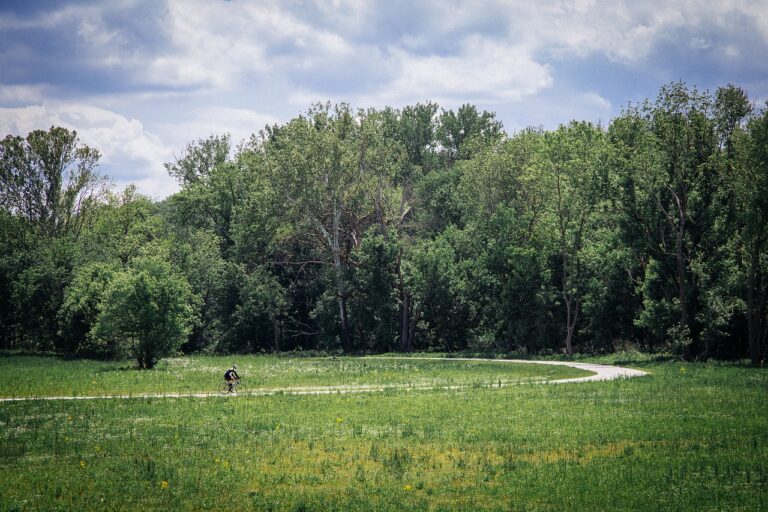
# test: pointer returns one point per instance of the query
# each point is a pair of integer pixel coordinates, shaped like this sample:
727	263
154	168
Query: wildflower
408	487
82	464
69	418
339	420
225	464
682	370
164	484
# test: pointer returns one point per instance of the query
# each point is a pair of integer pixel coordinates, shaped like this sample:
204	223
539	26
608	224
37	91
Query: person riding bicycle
231	377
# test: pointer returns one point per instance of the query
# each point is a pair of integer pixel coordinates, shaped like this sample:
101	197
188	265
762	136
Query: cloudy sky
138	79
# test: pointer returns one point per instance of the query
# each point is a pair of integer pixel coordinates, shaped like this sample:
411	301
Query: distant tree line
399	230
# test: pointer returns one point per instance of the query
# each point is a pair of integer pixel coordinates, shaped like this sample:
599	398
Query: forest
412	229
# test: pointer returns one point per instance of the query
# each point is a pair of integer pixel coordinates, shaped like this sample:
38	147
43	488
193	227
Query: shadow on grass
17	352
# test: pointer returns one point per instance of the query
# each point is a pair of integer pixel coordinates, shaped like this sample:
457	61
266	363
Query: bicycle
236	388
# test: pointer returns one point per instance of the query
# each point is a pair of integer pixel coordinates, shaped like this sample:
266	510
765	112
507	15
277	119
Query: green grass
686	437
40	376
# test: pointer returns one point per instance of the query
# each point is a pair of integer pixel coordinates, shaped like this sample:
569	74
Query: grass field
686	437
41	376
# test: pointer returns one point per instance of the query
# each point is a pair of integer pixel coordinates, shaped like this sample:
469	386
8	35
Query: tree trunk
405	317
334	242
755	306
346	337
571	315
277	335
682	212
681	283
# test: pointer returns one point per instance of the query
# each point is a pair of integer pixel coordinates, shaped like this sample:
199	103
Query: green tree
50	179
147	311
15	234
505	192
121	227
669	171
460	132
578	160
328	170
38	292
213	185
439	273
200	160
375	292
260	316
80	309
415	129
214	279
750	183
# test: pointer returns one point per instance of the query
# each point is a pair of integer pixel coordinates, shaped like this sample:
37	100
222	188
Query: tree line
403	229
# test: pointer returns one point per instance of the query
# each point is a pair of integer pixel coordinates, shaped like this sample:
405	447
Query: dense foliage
411	229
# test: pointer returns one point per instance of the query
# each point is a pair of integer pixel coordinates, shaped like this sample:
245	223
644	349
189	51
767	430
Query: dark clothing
231	375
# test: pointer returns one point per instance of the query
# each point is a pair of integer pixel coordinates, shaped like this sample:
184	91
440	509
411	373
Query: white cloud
598	102
221	45
482	63
625	31
732	51
25	94
129	152
240	124
483	71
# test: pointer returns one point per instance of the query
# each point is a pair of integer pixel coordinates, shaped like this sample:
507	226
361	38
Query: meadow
685	437
50	376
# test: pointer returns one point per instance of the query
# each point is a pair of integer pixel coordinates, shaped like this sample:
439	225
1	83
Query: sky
140	79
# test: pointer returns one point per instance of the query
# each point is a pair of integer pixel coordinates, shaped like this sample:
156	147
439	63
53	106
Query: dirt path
600	372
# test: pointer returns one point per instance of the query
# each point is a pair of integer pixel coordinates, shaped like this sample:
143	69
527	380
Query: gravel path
600	372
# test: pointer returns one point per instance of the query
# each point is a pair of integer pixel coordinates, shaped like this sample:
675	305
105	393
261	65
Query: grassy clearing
40	376
687	437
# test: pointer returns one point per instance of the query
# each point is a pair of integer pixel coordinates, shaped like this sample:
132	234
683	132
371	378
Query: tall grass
686	437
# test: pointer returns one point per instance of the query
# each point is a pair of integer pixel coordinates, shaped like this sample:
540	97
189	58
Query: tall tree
213	185
669	149
751	191
577	159
328	170
505	191
50	179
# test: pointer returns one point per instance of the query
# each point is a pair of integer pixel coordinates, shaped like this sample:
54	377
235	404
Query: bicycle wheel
224	388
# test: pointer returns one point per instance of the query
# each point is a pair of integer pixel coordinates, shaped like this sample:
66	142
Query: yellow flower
339	420
82	464
164	484
69	418
408	487
225	464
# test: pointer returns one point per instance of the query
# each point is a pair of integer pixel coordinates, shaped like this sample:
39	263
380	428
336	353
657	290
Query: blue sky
138	79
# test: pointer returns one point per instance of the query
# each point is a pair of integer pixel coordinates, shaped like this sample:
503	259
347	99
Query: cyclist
231	377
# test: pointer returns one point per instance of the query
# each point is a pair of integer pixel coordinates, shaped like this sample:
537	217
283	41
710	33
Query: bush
148	311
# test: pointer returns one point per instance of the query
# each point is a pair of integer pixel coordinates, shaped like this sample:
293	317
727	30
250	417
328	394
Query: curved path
600	372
